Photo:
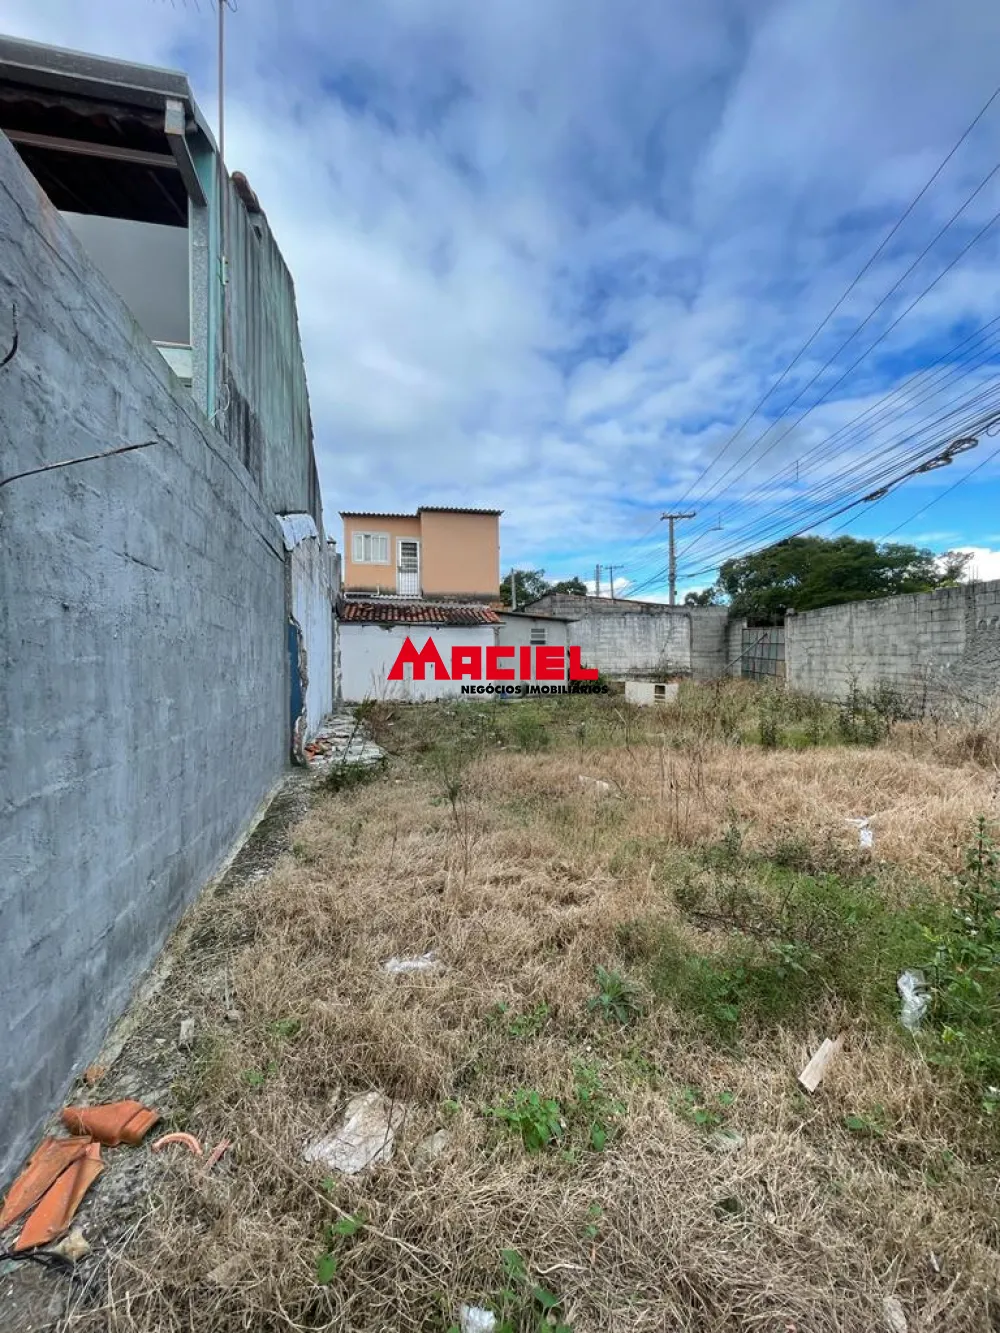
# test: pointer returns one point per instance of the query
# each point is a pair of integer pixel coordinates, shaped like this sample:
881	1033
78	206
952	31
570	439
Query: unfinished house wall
267	418
941	647
310	600
143	662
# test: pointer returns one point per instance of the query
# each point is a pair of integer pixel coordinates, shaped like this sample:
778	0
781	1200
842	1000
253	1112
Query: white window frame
358	540
537	636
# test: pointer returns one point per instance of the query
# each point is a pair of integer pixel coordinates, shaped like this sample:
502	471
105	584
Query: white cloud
548	256
984	565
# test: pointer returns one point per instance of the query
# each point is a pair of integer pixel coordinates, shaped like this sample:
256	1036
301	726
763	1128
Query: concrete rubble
365	1138
341	740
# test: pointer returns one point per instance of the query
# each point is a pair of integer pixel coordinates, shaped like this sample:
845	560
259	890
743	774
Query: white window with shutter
370	548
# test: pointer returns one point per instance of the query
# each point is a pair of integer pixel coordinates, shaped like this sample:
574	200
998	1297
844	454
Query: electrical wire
889	460
827	515
953	487
918	389
850	288
977	423
982	231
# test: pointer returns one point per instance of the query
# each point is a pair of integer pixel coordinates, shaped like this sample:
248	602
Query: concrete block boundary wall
637	639
940	650
144	666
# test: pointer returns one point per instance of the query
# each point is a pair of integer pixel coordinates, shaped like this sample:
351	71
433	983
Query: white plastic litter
421	964
365	1138
596	785
912	986
895	1319
474	1319
866	835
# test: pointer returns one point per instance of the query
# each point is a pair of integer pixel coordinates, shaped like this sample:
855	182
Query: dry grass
521	879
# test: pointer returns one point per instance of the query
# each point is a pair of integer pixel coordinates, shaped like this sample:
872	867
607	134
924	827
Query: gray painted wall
143	658
515	632
944	644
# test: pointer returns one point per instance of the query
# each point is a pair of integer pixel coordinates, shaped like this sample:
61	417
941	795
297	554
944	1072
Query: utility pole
611	580
597	581
672	565
513	592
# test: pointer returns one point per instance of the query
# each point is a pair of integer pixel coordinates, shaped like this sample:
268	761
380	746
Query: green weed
965	975
618	999
540	1121
328	1260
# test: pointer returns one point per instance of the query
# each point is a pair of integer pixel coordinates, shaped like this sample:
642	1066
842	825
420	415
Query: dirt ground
643	923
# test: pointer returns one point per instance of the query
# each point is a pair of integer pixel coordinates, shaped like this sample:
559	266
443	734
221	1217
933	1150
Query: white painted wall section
367	653
311	606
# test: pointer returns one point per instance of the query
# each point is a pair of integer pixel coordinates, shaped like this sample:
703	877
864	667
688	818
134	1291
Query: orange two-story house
435	572
436	554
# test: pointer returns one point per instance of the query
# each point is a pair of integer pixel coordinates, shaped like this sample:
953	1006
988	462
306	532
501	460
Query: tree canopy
803	573
532	584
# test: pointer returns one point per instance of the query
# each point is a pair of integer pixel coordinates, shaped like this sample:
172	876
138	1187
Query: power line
850	288
889	458
853	366
975	423
881	338
977	426
953	487
918	390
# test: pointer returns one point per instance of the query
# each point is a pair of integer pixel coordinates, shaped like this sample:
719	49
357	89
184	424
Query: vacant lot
629	979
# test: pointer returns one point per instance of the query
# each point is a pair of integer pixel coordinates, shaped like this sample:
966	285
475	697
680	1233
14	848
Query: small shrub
519	1026
705	1112
593	1109
618	998
346	777
540	1121
965	974
528	732
328	1261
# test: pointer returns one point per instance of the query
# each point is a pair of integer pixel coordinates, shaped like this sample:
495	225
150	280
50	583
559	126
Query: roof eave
35	64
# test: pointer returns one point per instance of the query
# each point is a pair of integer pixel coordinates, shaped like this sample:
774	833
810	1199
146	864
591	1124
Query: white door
408	567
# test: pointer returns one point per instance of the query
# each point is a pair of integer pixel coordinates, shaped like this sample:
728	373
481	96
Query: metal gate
763	653
408	568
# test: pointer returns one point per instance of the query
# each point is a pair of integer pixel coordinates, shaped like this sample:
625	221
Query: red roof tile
385	612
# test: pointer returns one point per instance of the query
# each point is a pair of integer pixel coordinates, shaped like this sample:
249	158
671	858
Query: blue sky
550	255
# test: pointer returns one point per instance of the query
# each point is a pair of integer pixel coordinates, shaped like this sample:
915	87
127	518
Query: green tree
570	585
706	597
532	584
803	573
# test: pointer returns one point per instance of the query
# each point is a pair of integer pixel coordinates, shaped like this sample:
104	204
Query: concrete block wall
734	647
143	658
941	646
709	628
627	644
638	638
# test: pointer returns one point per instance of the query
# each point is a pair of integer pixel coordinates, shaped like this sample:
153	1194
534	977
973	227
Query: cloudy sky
550	255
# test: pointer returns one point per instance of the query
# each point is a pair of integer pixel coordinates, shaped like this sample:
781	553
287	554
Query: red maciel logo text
533	664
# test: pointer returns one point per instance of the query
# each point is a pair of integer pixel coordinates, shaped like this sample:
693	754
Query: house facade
439	554
433	574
